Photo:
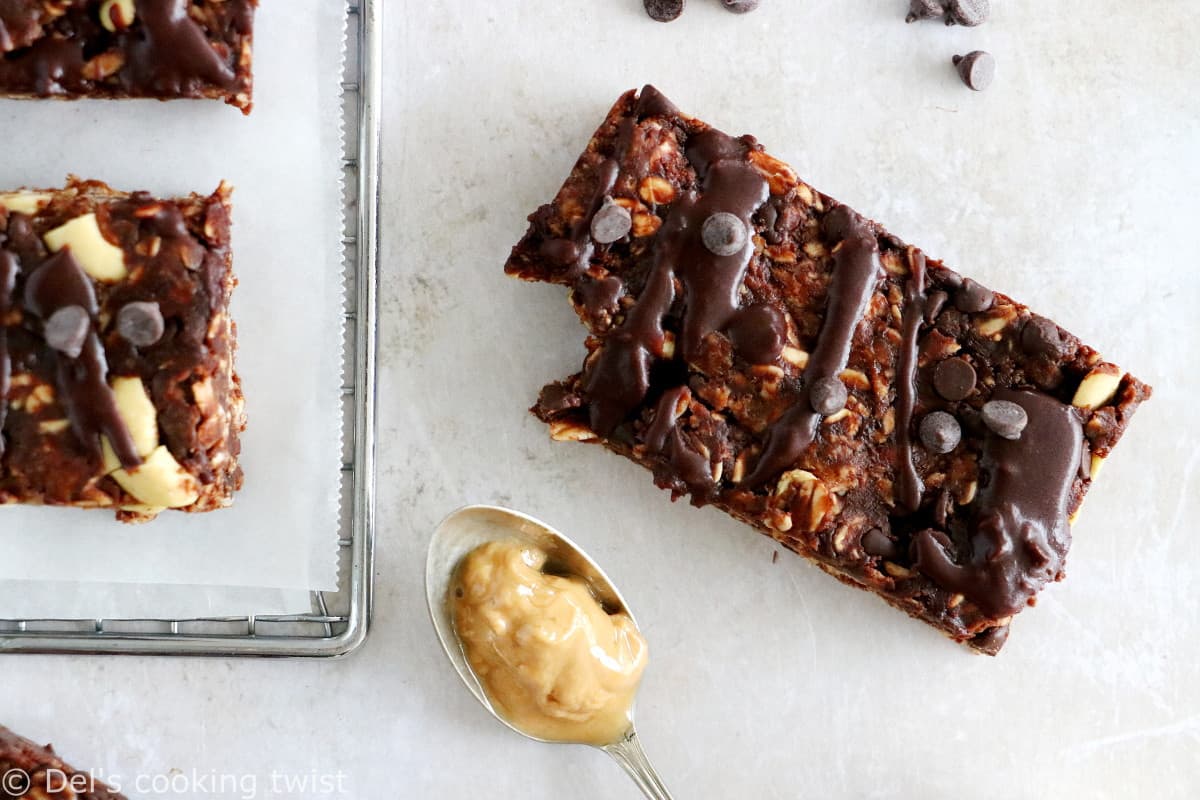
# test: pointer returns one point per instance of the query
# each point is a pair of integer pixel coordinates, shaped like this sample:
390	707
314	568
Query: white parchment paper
284	161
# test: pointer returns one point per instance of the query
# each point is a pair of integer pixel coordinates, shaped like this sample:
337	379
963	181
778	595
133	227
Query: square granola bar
117	381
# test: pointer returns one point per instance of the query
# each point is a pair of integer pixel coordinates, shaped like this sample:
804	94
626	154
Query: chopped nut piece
1097	388
117	15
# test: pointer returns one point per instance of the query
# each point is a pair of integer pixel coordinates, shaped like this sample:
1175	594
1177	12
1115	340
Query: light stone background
1072	185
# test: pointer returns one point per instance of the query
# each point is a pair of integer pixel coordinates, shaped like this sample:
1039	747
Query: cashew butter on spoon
538	633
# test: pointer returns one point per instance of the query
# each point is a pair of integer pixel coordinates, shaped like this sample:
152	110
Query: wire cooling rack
336	622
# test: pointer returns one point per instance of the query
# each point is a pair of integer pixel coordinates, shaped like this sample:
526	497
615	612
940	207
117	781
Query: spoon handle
629	754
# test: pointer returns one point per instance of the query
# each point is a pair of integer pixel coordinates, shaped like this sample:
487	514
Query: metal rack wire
336	622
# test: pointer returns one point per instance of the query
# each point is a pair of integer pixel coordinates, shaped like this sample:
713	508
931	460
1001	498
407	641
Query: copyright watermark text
178	783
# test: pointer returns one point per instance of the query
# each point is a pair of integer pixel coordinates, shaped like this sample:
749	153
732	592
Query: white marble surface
1071	185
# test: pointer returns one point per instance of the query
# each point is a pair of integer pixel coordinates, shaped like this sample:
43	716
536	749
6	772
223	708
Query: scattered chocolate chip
611	222
977	69
967	13
877	543
827	396
954	379
1085	461
940	432
1005	418
140	324
67	330
973	298
1040	337
723	233
934	304
663	10
925	9
740	6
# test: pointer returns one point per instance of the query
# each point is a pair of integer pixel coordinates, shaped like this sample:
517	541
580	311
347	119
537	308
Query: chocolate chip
1005	418
925	9
663	10
1040	337
1085	461
140	324
973	298
67	330
611	222
954	379
740	6
934	304
827	396
940	432
977	69
723	233
968	13
877	543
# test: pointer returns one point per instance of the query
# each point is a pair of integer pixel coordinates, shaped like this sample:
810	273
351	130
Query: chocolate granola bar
117	383
29	771
127	48
761	347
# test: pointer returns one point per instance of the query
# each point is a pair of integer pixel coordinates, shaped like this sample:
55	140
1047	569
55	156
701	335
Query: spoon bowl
471	526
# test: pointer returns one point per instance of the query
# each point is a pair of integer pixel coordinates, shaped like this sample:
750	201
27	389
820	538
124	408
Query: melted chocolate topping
165	52
856	273
175	51
82	382
665	438
908	482
1019	536
620	378
9	267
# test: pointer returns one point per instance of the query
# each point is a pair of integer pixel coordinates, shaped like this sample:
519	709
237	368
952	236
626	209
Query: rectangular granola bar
128	48
763	348
117	382
29	771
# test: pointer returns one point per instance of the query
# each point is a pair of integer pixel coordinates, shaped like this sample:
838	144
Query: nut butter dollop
552	661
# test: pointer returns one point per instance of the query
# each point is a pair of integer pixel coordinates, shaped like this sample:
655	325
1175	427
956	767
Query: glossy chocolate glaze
1019	535
82	382
165	52
856	273
619	380
908	483
9	266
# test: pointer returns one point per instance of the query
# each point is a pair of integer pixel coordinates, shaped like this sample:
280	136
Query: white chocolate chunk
103	261
24	202
159	481
136	410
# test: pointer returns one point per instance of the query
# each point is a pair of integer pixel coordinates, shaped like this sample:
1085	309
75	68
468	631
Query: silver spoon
472	526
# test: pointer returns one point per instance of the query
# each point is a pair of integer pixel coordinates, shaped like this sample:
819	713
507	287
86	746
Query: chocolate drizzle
1019	535
856	272
82	382
908	482
164	53
619	380
665	438
577	248
175	51
9	267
